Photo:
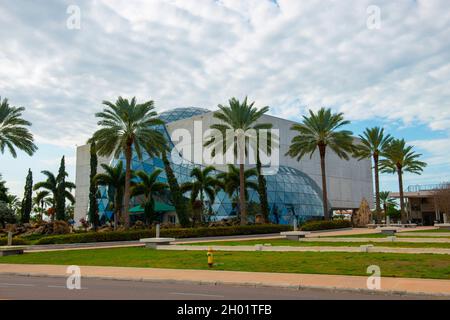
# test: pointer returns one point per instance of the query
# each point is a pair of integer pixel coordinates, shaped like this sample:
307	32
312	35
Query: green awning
159	207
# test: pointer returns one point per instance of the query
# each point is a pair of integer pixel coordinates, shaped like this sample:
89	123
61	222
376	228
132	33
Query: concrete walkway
306	249
381	240
285	280
125	244
425	234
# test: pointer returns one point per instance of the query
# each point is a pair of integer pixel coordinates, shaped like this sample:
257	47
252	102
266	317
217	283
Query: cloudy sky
288	54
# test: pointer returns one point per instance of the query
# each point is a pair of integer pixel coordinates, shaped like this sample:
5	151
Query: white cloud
287	54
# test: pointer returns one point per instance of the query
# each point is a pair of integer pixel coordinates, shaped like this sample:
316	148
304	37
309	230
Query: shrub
16	241
171	233
326	225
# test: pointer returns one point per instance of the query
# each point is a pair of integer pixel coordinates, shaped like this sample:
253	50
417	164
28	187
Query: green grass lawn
432	231
285	242
392	265
360	235
379	235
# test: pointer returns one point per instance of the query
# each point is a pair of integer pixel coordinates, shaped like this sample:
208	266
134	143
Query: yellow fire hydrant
210	257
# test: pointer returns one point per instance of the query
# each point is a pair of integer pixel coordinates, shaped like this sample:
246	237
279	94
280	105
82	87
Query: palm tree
52	184
230	182
127	125
13	202
113	178
400	158
14	131
240	118
319	131
149	186
373	143
386	200
202	183
42	201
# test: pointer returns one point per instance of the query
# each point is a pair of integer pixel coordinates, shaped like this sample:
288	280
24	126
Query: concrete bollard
445	218
391	239
10	236
295	224
365	248
157	231
258	247
388	220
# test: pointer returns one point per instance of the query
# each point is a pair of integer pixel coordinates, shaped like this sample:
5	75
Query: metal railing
424	187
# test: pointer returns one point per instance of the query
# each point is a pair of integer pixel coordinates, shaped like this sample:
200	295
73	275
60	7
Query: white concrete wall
82	181
348	181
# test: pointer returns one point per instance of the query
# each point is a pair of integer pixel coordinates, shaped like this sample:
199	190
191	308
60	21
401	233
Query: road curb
243	284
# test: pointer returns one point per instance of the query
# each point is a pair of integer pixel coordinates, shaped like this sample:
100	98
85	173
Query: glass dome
290	192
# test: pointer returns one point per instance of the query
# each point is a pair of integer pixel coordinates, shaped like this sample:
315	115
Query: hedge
170	233
16	241
326	225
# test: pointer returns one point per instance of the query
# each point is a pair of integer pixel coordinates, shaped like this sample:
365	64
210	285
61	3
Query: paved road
22	287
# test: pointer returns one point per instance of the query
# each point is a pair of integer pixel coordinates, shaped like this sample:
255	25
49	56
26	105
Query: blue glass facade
290	192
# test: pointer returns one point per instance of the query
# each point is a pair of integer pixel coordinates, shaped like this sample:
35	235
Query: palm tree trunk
203	203
322	149
242	204
377	187
402	199
116	210
127	186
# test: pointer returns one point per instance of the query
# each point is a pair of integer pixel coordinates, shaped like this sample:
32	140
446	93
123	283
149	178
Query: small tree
6	215
60	192
442	197
114	178
93	206
27	202
3	190
148	186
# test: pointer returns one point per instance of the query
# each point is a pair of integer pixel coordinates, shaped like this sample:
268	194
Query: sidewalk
284	280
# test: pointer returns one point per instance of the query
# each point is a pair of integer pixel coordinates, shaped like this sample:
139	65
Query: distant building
421	204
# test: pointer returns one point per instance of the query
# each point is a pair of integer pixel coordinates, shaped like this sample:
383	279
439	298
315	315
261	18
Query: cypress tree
262	192
27	199
93	206
61	192
177	197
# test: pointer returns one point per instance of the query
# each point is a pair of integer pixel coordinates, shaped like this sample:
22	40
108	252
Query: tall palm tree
317	132
13	130
240	118
373	143
113	178
52	184
203	183
230	182
386	200
127	126
400	158
148	186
